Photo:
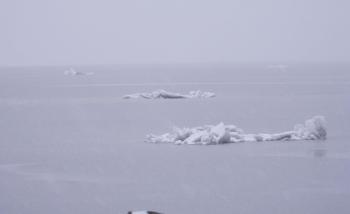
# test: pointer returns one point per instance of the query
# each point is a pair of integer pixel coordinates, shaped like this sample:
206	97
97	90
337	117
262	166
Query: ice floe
73	72
163	94
312	129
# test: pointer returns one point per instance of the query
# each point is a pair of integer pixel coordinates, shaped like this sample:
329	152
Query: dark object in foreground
144	212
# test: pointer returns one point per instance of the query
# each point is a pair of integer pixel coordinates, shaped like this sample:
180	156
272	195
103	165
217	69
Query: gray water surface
71	144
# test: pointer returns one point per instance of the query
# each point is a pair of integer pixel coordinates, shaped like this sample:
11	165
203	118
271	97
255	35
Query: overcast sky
61	32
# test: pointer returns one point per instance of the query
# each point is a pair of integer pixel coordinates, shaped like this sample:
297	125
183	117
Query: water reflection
319	153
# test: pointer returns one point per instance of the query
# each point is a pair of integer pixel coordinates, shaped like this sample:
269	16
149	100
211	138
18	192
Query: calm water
70	144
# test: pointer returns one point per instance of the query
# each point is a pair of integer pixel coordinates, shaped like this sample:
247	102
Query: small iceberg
163	94
73	72
312	129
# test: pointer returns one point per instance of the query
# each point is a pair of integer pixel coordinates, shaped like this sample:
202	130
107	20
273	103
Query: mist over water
76	32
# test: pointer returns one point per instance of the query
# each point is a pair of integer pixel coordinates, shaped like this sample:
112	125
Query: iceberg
163	94
312	129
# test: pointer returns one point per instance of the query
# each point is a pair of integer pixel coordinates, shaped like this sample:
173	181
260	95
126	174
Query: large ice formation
312	129
163	94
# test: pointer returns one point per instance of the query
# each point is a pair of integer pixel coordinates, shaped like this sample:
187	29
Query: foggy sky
60	32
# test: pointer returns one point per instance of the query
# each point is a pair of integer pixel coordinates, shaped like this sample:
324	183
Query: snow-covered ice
163	94
312	129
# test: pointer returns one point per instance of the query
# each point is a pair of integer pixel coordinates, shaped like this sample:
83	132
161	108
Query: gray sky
59	32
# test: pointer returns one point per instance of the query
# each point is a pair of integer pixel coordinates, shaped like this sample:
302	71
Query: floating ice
312	129
73	72
163	94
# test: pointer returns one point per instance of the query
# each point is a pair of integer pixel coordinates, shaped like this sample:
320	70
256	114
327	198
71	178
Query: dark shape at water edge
144	212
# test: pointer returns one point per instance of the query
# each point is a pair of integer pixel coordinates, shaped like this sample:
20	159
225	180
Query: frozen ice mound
73	72
312	129
163	94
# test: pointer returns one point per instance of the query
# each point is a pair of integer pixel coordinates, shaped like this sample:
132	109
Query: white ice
163	94
312	129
